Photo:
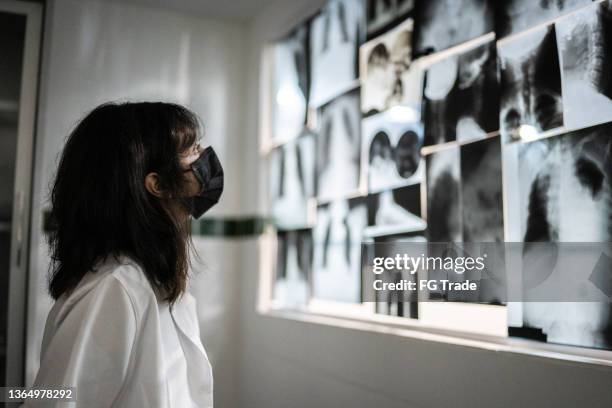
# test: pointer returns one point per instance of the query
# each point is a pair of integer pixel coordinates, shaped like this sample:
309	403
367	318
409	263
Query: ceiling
226	9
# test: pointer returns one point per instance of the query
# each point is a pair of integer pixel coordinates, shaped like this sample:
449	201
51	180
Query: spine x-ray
531	101
585	45
565	195
461	96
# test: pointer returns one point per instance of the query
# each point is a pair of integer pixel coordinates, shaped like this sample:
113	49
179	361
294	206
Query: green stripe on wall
229	227
234	227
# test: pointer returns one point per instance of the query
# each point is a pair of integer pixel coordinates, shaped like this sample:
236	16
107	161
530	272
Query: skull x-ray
337	250
293	268
386	77
290	84
339	147
531	100
336	34
292	172
585	45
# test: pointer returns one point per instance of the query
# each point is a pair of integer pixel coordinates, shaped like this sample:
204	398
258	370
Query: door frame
22	194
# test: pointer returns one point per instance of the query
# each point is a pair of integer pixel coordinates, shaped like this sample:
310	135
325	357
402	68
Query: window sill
408	328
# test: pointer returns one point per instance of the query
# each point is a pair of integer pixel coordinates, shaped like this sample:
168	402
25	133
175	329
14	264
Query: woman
123	329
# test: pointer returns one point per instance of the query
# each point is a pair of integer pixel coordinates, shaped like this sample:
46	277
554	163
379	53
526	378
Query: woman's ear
151	183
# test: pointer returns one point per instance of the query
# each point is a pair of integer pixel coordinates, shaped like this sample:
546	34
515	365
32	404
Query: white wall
100	51
293	364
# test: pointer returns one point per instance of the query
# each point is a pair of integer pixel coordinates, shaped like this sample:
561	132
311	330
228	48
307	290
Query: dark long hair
100	206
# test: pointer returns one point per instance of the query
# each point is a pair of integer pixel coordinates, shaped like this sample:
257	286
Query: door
20	31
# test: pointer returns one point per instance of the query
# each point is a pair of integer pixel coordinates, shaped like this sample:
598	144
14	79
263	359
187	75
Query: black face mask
209	173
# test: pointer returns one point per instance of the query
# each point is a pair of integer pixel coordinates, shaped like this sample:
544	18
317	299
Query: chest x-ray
513	16
531	100
337	250
392	144
585	45
565	195
339	147
292	168
384	14
481	191
461	96
386	77
445	23
464	205
444	196
293	268
290	85
336	34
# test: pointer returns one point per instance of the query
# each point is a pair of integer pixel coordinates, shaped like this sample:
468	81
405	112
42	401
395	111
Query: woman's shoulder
130	275
113	276
129	272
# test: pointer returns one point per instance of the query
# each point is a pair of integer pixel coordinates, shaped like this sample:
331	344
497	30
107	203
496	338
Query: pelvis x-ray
337	251
530	84
395	211
444	196
392	144
339	147
290	84
383	14
565	195
513	16
336	34
293	268
461	96
386	79
444	23
585	44
292	168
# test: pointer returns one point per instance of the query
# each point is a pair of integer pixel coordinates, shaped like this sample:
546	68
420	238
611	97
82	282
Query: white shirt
120	346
